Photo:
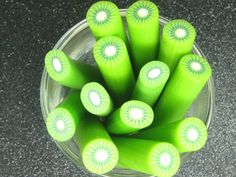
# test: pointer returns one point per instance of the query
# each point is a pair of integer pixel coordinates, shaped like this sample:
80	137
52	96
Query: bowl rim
61	44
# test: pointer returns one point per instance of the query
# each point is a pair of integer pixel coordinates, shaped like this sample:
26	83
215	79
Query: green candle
63	121
113	61
104	19
130	117
143	26
68	72
151	81
95	99
177	40
151	157
99	154
186	135
189	78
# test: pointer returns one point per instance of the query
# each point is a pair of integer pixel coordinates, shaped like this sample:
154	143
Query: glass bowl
78	43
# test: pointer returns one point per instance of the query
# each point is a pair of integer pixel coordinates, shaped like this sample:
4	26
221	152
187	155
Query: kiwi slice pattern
165	159
96	99
131	116
57	64
101	14
104	19
195	66
154	72
109	50
180	30
136	114
192	134
142	12
100	156
61	125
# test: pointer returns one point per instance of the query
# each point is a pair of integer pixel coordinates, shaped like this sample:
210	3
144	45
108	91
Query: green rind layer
92	148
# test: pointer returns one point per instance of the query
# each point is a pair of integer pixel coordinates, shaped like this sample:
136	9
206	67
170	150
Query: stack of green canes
129	110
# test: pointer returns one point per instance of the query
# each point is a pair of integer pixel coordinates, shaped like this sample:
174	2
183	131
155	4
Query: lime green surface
104	19
189	134
69	72
183	87
99	154
113	61
177	40
143	26
130	117
63	121
151	157
96	99
151	81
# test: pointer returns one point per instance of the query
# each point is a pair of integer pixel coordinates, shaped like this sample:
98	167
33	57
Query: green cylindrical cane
177	40
151	157
189	134
189	78
95	99
99	154
151	81
68	72
131	116
143	26
63	121
104	19
113	61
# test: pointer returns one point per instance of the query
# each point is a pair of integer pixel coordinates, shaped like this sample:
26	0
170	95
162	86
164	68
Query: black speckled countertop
29	28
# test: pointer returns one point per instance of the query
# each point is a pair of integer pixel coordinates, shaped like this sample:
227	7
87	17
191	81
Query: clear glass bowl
78	43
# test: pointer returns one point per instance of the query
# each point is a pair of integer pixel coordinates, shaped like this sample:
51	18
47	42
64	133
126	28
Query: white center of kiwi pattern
196	66
95	98
192	134
101	156
180	32
143	13
165	159
60	125
101	16
110	51
154	73
57	64
136	114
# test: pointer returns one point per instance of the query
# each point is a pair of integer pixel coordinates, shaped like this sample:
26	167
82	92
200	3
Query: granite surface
29	28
